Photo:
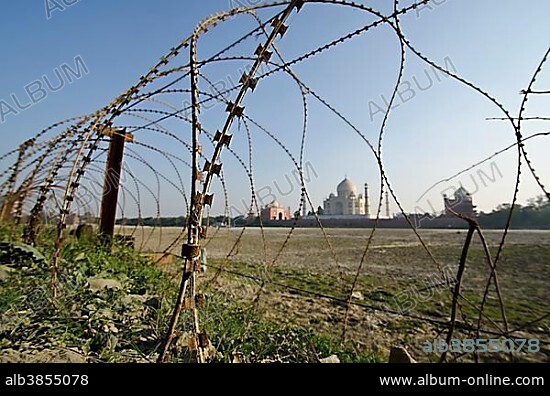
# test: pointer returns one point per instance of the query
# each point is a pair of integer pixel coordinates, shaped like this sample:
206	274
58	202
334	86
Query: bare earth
310	270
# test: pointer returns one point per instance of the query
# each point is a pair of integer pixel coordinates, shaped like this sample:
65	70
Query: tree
320	211
536	215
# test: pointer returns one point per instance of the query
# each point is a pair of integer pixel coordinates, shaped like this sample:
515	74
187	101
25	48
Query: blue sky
438	127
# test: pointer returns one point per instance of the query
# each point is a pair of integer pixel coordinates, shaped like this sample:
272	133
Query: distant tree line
153	221
534	215
169	221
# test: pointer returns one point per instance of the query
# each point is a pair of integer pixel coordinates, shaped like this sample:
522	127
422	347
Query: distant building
461	203
275	212
346	202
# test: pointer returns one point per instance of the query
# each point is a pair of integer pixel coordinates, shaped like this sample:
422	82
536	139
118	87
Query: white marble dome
346	188
274	204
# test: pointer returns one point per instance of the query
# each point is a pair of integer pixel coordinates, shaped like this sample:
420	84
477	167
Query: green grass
243	332
128	324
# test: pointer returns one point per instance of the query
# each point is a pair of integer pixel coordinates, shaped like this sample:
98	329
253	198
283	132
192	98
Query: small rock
357	295
104	313
43	356
59	356
97	284
330	359
84	231
153	302
5	272
400	355
236	358
133	300
9	356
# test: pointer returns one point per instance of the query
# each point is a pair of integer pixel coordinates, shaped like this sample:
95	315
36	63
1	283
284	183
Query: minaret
367	203
387	205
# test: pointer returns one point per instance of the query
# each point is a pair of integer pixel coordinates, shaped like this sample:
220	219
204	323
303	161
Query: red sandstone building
462	204
275	212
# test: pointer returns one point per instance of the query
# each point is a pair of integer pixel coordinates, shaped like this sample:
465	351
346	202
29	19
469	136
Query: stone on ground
330	359
400	355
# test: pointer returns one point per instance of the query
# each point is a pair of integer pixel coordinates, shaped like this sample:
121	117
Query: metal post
111	184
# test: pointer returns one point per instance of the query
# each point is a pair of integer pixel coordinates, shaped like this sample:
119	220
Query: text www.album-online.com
487	380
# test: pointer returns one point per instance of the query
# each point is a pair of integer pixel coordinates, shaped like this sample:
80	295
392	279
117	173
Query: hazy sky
438	126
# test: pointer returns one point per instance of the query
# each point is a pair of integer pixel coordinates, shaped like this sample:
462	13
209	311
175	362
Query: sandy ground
395	265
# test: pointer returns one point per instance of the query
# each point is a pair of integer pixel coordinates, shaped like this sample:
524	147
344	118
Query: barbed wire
174	92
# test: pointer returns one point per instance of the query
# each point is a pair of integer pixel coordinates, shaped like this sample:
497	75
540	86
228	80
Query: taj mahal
347	202
348	208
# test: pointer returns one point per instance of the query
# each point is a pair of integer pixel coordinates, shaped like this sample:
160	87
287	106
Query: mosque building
274	211
347	202
461	203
